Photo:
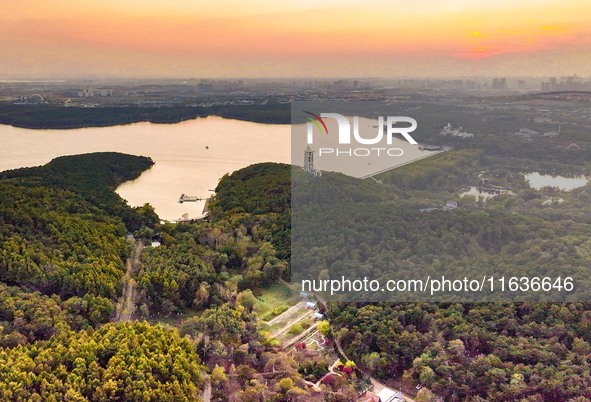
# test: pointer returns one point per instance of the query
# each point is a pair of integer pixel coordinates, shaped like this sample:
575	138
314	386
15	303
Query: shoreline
55	117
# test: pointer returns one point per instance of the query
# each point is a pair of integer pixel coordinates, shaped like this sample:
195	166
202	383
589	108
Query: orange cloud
186	35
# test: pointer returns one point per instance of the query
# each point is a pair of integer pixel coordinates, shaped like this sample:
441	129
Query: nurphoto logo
345	129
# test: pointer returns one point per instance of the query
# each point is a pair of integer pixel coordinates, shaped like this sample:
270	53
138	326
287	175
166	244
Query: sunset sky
306	38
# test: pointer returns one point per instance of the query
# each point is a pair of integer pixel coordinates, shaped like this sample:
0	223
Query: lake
190	157
539	181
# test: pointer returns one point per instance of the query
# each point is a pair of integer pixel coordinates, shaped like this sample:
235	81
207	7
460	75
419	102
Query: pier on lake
189	198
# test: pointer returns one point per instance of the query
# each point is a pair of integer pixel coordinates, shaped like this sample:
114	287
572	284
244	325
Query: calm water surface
539	181
190	156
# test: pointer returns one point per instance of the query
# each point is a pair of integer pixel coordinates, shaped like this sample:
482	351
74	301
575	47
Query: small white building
388	395
455	132
451	205
318	316
527	132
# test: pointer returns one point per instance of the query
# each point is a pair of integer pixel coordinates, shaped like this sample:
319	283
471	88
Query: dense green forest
59	117
63	239
122	362
211	271
245	245
477	352
63	244
94	177
487	351
62	251
342	227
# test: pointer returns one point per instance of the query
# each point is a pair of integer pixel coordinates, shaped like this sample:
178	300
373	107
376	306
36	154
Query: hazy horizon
122	79
157	39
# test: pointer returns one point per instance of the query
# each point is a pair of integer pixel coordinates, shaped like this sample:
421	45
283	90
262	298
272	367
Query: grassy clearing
174	319
300	327
273	301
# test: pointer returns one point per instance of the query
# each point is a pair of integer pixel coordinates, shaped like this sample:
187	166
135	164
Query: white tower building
309	162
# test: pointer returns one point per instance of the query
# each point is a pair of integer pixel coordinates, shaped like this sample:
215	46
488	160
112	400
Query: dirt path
207	389
126	305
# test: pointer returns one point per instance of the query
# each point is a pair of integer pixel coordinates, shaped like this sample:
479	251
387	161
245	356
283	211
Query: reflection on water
539	181
190	156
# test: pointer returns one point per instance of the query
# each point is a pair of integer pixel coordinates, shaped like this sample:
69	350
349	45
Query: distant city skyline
42	39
